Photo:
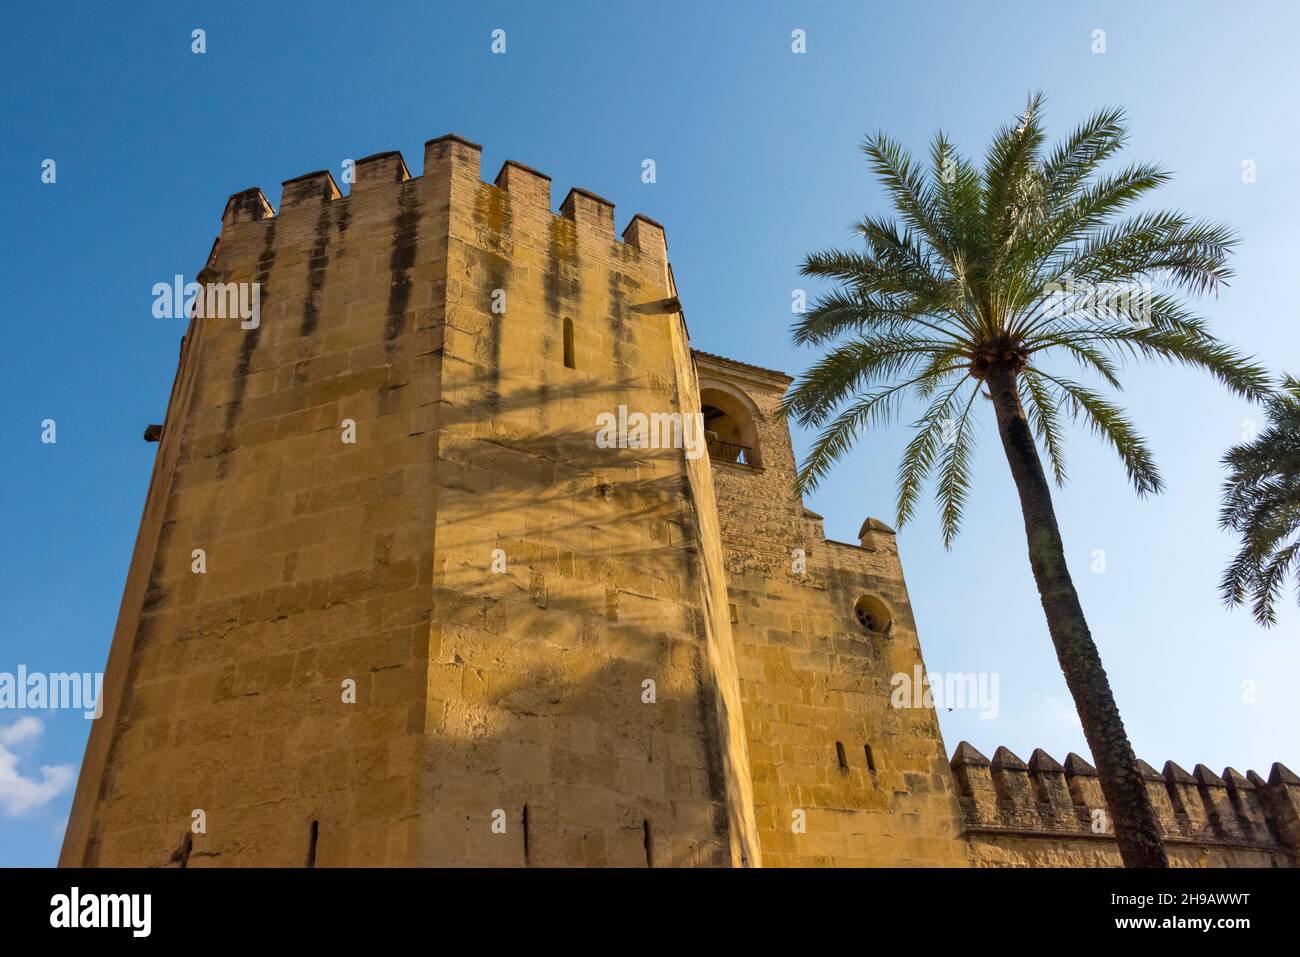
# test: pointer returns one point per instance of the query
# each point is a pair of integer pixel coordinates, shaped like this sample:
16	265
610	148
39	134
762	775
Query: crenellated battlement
419	401
527	189
310	189
246	206
423	391
1049	800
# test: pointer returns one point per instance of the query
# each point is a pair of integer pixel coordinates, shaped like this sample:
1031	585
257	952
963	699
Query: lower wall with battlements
1044	814
440	621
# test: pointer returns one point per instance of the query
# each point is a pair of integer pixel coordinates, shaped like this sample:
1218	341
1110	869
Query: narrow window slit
311	846
839	753
569	362
871	758
645	836
525	825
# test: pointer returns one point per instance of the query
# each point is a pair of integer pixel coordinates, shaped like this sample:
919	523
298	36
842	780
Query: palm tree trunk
1136	830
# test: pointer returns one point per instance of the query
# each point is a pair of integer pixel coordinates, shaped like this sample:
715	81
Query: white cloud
18	793
24	729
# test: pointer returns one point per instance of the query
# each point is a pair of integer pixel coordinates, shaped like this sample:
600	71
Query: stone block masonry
1047	814
437	623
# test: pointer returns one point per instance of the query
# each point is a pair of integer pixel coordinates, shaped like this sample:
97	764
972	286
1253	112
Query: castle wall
318	553
538	675
811	677
568	698
440	623
1043	814
820	710
118	668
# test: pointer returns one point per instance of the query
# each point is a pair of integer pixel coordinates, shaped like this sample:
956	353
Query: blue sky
757	159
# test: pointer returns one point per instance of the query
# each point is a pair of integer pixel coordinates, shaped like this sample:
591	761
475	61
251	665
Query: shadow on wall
520	688
568	679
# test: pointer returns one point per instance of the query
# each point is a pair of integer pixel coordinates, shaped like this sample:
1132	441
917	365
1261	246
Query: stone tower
393	601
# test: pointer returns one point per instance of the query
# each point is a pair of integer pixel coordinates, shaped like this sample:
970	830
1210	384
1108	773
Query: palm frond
1030	256
1261	503
856	364
1108	421
919	457
1042	409
954	482
875	408
1078	156
913	197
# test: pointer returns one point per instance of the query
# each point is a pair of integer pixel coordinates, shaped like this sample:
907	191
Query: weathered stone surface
439	623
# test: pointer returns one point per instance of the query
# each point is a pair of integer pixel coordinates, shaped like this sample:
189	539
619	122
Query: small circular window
873	615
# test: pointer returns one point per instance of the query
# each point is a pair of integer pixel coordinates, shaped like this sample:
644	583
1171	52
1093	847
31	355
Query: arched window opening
729	429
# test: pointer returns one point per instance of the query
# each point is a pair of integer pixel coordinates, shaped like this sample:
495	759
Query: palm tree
1261	501
984	277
